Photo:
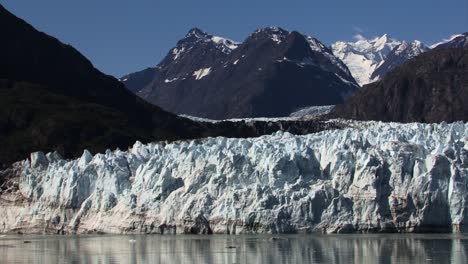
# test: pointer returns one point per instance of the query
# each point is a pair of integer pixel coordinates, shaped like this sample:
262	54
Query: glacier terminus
368	177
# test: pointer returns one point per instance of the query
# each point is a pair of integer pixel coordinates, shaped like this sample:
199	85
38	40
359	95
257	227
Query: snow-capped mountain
399	55
455	41
196	51
367	59
272	73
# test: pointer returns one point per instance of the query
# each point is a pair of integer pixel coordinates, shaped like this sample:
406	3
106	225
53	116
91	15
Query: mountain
52	98
272	73
369	60
429	88
455	41
197	50
397	56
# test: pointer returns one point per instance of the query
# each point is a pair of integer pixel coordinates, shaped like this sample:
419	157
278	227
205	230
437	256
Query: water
388	248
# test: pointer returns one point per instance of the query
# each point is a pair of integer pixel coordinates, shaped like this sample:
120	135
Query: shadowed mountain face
51	97
432	87
272	73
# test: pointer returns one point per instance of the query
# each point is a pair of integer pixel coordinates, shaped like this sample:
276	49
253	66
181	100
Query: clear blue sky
121	36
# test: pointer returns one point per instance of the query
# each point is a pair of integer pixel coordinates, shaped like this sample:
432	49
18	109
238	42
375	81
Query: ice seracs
369	177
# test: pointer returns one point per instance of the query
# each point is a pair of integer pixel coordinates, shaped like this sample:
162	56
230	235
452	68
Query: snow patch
170	80
177	52
230	44
201	73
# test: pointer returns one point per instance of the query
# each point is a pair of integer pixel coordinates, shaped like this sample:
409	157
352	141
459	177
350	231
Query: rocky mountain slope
370	59
373	177
432	87
272	73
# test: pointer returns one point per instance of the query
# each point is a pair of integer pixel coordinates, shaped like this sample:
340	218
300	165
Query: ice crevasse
370	177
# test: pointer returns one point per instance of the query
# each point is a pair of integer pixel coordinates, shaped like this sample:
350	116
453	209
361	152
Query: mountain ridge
245	80
367	58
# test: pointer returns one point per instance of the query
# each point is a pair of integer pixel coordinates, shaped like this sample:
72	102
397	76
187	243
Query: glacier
368	177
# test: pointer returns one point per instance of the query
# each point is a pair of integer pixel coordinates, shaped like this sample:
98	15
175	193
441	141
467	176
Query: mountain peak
276	34
384	37
408	49
365	56
385	42
197	37
269	31
197	33
198	78
272	29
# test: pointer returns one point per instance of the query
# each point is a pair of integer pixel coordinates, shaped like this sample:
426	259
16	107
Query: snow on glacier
369	177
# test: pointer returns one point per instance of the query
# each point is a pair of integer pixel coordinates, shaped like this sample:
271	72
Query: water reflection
437	248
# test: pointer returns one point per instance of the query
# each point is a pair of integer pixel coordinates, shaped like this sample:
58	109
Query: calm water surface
394	248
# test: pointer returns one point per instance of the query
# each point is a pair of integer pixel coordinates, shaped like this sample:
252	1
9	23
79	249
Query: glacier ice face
370	177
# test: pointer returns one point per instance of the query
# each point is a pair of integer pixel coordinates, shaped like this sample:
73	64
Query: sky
122	36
